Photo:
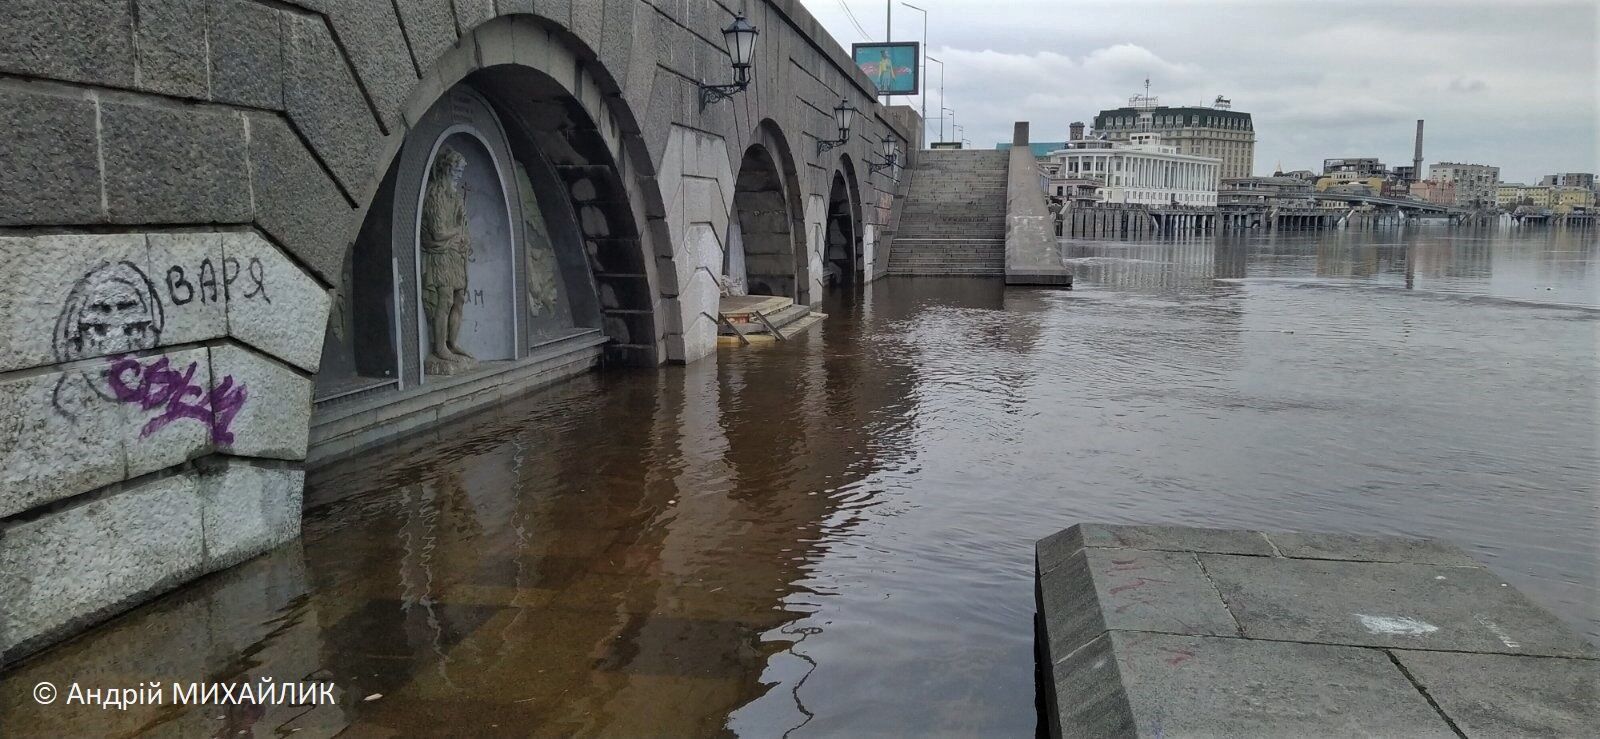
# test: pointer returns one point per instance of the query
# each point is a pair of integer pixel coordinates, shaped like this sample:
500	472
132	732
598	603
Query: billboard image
890	66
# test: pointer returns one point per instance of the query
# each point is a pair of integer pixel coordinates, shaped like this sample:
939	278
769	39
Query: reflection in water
833	535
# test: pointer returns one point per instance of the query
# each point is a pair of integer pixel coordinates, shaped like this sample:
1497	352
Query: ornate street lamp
890	160
843	115
740	38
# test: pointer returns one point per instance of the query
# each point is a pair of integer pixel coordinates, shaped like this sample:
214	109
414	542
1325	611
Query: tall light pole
942	111
923	93
941	98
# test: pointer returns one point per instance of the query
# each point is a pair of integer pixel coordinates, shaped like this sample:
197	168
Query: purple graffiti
157	385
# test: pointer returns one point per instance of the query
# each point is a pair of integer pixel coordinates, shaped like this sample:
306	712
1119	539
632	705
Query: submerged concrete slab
1169	631
1507	695
1168	685
1388	604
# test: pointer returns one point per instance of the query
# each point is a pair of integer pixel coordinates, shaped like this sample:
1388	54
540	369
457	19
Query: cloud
1321	79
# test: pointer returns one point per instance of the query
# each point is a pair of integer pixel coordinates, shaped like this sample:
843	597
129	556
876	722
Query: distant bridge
1416	206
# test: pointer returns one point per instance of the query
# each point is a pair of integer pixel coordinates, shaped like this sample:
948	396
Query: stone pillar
155	400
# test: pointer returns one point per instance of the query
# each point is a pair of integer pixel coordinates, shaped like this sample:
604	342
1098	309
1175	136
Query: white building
1143	171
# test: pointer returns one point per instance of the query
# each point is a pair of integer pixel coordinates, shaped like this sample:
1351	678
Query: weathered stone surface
187	270
588	19
296	202
274	305
171	42
1503	695
71	431
246	40
1129	589
559	11
326	104
1167	685
1369	549
249	508
82	41
174	165
1409	606
1157	538
370	33
49	170
275	418
72	564
46	276
617	37
472	13
431	28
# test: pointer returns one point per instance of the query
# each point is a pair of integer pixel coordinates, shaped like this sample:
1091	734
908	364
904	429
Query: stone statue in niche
446	245
539	250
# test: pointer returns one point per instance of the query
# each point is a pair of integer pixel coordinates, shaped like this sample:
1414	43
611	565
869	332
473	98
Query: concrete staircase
954	219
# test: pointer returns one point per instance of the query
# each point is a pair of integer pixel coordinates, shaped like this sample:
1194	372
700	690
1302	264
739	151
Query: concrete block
68	567
84	41
588	21
1164	539
473	13
174	165
1170	685
559	11
171	41
1504	695
275	413
1129	589
296	202
531	43
497	43
273	305
160	399
431	28
370	34
188	272
58	437
49	167
60	283
246	40
617	37
1369	549
1409	606
248	509
322	97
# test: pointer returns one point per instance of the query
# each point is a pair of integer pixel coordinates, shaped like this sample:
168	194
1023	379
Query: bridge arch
843	232
766	231
572	261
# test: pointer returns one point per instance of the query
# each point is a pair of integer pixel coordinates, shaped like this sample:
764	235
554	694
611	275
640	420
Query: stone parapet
1177	631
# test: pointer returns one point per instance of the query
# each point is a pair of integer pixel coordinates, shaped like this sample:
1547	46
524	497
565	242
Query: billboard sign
890	66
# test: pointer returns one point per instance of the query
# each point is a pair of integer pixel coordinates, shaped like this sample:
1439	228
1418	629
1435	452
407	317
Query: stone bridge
221	243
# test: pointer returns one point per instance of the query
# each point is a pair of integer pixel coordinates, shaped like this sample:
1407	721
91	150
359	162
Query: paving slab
1381	604
1146	631
1129	589
1505	695
1369	549
1168	685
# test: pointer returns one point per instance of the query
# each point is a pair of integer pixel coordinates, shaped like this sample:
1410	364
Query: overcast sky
1512	84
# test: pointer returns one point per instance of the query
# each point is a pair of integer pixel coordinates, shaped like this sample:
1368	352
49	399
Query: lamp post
740	38
941	97
843	115
890	158
923	93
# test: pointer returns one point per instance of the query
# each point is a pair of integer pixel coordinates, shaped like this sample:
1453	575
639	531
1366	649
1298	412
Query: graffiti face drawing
112	310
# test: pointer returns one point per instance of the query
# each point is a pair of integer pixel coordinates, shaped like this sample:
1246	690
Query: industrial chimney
1076	130
1416	158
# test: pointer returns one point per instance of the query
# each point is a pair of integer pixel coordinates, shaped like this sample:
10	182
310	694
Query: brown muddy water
833	536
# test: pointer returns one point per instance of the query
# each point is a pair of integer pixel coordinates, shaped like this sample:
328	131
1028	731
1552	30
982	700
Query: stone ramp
1175	631
953	219
1032	250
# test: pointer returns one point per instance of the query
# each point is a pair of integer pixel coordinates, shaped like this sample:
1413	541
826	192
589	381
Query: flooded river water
833	536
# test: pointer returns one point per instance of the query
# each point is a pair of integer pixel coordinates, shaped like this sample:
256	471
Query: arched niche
840	236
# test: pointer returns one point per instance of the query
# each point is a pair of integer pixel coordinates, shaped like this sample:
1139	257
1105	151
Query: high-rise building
1570	179
1474	183
1218	132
